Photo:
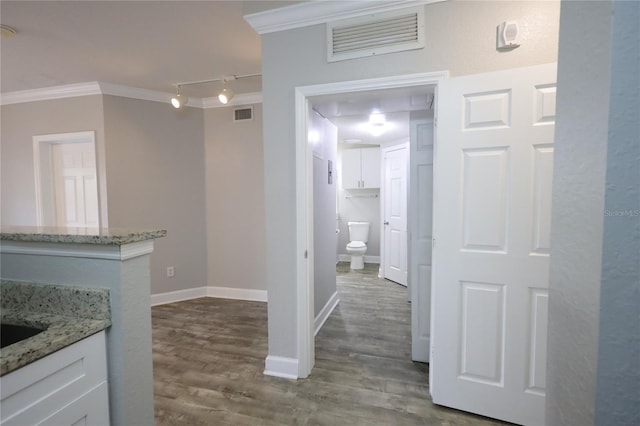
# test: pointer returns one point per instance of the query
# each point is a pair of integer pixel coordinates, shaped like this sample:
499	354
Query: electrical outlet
170	271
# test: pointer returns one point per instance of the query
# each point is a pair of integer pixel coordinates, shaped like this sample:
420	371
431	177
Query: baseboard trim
324	314
178	296
367	259
237	293
219	292
278	366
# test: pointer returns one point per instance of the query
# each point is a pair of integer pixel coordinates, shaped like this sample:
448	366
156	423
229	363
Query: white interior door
75	183
395	213
491	260
420	245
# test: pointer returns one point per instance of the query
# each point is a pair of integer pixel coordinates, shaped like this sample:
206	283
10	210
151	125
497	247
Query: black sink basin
10	334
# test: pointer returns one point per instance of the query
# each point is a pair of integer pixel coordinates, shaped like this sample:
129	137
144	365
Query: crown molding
102	88
239	99
320	12
50	93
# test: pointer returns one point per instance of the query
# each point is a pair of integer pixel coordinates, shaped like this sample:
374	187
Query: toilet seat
356	245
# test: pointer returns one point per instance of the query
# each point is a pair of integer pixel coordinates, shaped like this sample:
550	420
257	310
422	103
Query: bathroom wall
358	209
324	211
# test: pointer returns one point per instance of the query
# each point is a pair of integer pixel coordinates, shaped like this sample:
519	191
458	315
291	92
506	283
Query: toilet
357	247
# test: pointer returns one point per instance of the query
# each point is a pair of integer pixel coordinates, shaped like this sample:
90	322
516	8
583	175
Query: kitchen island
113	259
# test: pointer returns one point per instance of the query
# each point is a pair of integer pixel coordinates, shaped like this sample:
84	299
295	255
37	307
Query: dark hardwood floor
208	357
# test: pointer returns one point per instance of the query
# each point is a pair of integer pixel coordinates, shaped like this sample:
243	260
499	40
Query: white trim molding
237	293
367	259
320	12
279	366
86	251
50	93
209	291
326	311
178	296
103	88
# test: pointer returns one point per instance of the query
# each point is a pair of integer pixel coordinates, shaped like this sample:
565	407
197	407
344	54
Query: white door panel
76	189
420	216
491	259
395	214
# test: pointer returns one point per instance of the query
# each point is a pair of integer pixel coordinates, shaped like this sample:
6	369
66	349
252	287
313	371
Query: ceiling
145	44
156	44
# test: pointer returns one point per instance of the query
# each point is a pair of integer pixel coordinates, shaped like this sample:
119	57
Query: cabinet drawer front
35	391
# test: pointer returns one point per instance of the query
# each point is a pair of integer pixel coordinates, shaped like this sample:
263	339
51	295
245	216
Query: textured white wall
461	39
577	214
234	200
618	393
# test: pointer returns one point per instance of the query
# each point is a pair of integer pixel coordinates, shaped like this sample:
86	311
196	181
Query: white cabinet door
370	166
494	158
351	169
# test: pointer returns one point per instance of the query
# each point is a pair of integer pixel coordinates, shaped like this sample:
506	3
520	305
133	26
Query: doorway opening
70	189
309	97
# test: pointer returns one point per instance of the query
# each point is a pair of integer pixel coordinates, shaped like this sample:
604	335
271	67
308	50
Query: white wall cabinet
68	387
361	168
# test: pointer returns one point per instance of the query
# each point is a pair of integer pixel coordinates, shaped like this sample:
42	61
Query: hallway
209	356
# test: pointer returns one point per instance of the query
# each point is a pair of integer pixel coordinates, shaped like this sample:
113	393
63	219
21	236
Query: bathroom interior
351	136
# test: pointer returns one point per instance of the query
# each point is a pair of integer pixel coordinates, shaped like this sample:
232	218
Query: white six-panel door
492	210
75	183
394	161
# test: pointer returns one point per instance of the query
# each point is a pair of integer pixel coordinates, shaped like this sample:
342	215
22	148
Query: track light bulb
178	101
225	96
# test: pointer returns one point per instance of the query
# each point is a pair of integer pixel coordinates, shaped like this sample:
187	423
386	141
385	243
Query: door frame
43	173
305	346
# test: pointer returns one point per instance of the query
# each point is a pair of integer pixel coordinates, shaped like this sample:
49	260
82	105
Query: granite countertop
68	313
103	236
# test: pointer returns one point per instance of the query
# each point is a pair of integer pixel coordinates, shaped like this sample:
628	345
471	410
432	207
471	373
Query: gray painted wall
20	122
618	378
155	179
324	214
461	39
234	200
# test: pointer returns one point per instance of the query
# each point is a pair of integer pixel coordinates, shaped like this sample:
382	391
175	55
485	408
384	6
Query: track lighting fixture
224	97
178	101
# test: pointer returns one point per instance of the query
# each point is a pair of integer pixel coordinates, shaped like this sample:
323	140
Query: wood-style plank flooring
208	358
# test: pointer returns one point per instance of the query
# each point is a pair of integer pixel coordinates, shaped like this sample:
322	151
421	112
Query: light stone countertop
100	236
68	313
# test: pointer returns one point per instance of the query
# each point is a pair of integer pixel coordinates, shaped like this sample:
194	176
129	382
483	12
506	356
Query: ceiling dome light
377	123
225	96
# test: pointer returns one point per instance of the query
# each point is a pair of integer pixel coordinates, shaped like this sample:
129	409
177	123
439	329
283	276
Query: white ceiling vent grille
243	114
375	34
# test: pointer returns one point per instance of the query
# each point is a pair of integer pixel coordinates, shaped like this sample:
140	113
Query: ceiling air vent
243	114
375	34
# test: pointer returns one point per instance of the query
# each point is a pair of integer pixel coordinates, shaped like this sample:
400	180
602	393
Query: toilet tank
358	231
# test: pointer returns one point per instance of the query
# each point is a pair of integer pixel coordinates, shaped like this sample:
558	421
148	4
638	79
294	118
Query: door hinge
306	254
433	243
